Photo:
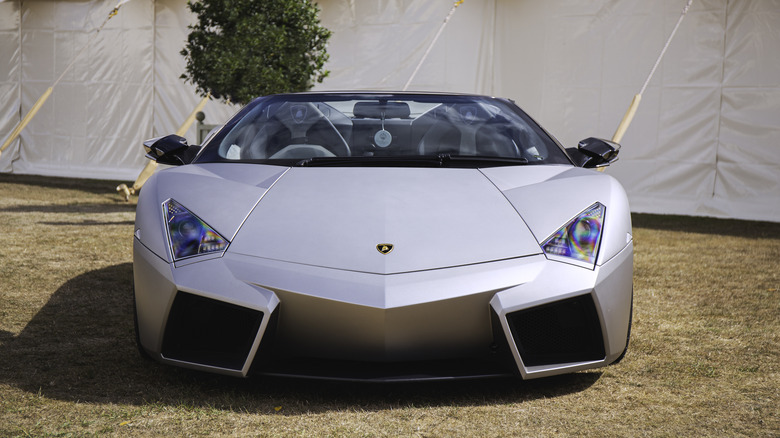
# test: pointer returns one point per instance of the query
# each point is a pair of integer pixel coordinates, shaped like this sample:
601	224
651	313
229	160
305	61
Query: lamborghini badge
384	248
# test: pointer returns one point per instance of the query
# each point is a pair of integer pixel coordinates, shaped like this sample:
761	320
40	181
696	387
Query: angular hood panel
222	195
549	196
335	217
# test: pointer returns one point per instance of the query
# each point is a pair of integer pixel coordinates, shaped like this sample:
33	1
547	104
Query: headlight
188	235
578	241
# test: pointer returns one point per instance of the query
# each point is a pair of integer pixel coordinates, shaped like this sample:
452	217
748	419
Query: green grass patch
704	355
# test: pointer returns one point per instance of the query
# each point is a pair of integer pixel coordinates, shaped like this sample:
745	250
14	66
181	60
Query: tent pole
627	118
30	114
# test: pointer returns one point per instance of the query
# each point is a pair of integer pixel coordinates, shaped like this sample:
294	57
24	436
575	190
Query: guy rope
623	126
39	103
430	46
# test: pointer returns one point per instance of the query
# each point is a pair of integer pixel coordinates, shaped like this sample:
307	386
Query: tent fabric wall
377	44
706	137
124	88
10	76
705	141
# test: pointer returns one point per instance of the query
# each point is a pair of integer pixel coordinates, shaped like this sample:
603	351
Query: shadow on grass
84	207
707	225
80	347
85	185
88	222
5	336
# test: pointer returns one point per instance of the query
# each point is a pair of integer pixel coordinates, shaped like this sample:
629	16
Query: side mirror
594	152
171	149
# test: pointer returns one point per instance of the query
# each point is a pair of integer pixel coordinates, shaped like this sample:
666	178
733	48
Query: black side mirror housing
594	152
170	149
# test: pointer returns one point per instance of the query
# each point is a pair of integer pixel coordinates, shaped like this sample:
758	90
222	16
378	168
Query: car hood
337	217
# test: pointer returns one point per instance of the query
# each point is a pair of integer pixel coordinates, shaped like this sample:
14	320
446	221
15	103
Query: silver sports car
383	236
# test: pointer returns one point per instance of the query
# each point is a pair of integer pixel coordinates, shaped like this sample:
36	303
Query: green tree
241	49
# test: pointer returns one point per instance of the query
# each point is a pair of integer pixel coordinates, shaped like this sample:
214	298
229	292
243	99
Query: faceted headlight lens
188	235
579	239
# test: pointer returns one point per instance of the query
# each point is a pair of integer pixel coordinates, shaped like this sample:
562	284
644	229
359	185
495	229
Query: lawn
704	356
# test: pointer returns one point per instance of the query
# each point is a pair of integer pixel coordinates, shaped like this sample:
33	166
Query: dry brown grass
704	356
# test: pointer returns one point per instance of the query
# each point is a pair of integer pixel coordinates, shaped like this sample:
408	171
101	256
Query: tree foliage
241	49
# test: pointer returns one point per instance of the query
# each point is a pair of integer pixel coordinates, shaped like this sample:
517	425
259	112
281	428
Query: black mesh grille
209	332
560	332
495	361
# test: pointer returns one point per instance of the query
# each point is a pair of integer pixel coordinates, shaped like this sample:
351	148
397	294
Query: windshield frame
556	154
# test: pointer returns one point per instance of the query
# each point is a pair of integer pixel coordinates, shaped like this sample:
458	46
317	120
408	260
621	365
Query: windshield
382	129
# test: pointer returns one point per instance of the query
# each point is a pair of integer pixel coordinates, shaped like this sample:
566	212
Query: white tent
705	141
123	89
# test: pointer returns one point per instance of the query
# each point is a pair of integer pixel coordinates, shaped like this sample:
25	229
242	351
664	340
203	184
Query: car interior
302	130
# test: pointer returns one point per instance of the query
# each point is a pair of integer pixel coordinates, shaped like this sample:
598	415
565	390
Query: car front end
385	270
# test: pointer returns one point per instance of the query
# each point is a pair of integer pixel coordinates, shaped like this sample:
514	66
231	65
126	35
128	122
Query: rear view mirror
383	109
594	152
171	149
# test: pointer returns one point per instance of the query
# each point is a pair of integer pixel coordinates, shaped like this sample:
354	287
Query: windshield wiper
440	160
481	159
400	160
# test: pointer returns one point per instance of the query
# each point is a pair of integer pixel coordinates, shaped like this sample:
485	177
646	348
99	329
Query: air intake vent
560	332
209	332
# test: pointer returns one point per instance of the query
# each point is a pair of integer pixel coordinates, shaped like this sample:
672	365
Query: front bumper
528	316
